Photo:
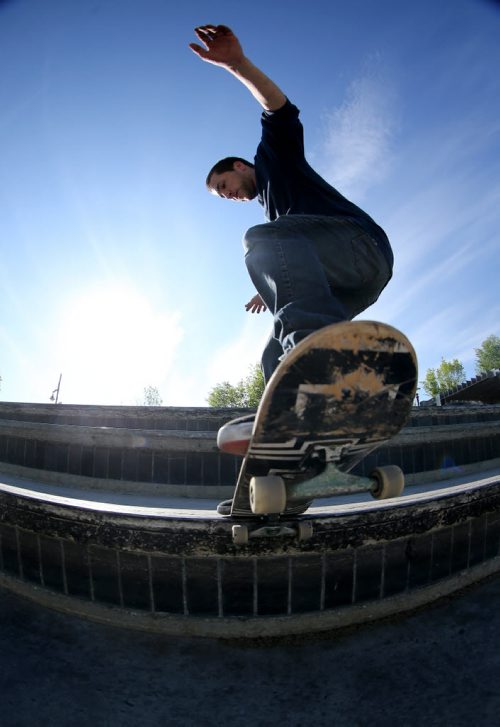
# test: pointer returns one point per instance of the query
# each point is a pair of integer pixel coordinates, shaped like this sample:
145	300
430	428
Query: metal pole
56	391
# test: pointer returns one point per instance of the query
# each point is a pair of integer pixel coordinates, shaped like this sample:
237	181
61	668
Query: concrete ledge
205	441
201	418
124	438
130	417
46	481
448	473
57	453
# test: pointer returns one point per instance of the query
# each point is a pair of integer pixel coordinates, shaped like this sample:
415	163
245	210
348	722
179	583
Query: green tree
254	386
152	396
488	355
447	375
246	393
430	383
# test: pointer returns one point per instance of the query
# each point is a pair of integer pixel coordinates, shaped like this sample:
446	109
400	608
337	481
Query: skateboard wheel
267	495
240	534
305	530
390	482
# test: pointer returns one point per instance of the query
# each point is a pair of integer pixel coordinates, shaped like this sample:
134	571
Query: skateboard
339	394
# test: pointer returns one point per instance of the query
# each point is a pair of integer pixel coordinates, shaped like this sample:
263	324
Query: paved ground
440	666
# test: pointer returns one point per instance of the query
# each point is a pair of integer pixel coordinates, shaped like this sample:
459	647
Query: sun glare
113	343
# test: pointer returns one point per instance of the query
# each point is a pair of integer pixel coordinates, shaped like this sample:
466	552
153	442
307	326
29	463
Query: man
319	259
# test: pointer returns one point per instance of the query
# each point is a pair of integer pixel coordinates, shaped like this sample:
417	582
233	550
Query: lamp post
55	398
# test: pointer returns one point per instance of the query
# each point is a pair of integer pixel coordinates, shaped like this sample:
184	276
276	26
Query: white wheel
390	482
240	534
267	495
305	530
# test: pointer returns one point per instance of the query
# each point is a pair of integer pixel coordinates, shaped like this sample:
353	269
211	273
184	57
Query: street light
55	398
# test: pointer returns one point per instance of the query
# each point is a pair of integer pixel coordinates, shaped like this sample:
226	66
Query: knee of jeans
253	235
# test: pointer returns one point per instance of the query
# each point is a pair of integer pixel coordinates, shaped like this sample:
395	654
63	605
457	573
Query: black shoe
224	507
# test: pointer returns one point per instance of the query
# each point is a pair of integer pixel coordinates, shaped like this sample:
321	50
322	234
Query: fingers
204	34
212	29
219	45
223	30
208	33
256	305
198	49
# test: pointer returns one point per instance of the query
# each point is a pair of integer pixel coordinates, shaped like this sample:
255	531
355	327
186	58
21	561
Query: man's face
238	184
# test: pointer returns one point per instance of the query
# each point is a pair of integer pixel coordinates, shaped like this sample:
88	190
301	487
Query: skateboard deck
339	394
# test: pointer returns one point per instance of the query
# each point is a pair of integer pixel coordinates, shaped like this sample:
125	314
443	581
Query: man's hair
225	165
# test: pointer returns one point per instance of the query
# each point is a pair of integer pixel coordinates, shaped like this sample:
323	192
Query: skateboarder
319	259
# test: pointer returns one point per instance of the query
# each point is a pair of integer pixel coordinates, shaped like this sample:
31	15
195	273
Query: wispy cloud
357	149
439	204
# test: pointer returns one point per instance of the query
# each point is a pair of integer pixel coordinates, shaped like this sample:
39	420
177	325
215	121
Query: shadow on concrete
440	666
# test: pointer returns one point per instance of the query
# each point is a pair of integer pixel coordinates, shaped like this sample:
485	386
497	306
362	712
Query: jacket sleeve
283	134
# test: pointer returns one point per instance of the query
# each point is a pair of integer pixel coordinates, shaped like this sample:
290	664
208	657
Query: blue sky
120	271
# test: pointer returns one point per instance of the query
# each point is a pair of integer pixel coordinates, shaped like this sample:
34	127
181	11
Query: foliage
488	355
447	375
152	396
246	393
430	383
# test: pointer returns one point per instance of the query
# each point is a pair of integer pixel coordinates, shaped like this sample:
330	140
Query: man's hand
222	47
256	305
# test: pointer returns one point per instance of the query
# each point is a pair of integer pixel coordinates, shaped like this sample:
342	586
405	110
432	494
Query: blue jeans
312	271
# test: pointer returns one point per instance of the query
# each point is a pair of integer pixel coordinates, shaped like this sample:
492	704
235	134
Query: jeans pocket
369	261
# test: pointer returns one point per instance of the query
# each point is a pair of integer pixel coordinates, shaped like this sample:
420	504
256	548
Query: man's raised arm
222	48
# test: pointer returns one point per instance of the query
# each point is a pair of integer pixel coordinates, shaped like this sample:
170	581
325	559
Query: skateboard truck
269	496
302	531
